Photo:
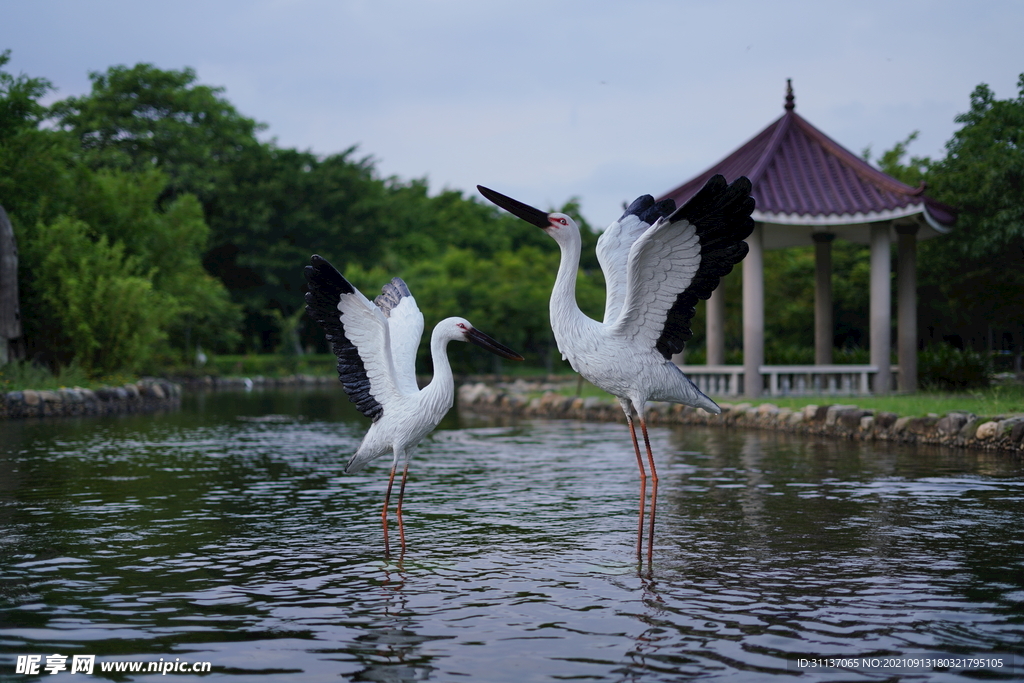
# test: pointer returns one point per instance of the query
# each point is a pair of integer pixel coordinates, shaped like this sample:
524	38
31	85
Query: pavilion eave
791	230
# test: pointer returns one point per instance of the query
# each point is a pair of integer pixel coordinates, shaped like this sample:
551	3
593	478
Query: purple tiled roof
802	177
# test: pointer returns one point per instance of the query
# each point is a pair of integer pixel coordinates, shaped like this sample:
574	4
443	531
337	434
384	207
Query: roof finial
790	104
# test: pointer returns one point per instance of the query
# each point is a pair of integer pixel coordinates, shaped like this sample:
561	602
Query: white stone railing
716	380
787	380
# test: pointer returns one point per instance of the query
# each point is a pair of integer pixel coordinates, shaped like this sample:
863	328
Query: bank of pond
840	420
546	398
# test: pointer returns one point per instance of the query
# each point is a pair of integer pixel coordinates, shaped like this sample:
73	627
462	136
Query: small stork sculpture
375	343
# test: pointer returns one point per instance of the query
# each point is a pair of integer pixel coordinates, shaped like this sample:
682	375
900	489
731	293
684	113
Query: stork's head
460	329
559	225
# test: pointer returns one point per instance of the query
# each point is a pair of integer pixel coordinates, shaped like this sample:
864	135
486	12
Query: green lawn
995	400
21	375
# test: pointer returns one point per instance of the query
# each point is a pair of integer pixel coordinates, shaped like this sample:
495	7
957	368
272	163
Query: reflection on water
227	533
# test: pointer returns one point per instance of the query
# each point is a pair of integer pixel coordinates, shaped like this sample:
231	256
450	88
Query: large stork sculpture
658	261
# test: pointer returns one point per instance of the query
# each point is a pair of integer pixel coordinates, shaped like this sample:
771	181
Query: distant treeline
151	221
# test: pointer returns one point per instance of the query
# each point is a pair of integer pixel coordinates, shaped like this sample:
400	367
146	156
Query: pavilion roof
804	182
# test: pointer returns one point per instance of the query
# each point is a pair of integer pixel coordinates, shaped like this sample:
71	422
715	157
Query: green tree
279	207
34	162
267	208
914	171
983	172
141	117
100	304
972	280
122	207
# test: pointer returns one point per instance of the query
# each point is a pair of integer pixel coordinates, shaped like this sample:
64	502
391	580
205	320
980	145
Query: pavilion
811	190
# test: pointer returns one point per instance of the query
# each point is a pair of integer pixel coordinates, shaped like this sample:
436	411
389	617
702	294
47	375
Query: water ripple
229	533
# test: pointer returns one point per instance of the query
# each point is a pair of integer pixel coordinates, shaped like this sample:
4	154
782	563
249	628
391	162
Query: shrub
942	367
101	301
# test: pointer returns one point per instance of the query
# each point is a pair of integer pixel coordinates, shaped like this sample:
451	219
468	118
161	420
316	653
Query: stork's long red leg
654	489
643	486
387	500
401	496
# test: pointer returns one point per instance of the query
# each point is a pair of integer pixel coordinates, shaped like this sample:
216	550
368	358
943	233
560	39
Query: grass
21	375
995	400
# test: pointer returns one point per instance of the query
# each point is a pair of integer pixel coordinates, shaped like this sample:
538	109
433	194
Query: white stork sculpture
375	343
657	261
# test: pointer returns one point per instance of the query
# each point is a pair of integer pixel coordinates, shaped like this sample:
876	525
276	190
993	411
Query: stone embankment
143	396
998	432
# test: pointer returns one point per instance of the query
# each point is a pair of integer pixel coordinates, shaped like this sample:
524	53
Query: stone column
880	317
10	314
753	313
906	306
715	314
824	330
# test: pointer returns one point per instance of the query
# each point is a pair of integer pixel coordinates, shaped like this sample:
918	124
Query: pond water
227	533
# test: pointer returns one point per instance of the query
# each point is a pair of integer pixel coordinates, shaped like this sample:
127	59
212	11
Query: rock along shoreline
146	395
843	421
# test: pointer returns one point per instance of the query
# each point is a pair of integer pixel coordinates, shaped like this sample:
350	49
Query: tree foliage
972	280
152	219
279	207
114	233
984	173
34	178
100	304
141	117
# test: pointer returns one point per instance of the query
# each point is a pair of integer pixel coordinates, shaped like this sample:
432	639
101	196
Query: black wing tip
639	205
719	203
716	183
722	214
649	211
326	287
318	264
321	274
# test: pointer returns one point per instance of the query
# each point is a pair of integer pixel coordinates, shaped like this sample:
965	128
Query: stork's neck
440	392
565	312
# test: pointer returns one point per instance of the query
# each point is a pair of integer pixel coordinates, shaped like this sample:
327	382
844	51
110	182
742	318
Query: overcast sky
547	100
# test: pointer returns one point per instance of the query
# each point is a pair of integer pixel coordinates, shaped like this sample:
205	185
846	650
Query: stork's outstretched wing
614	244
358	332
680	260
405	324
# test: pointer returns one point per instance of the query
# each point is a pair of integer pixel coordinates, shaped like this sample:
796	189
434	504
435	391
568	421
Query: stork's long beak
517	208
477	337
